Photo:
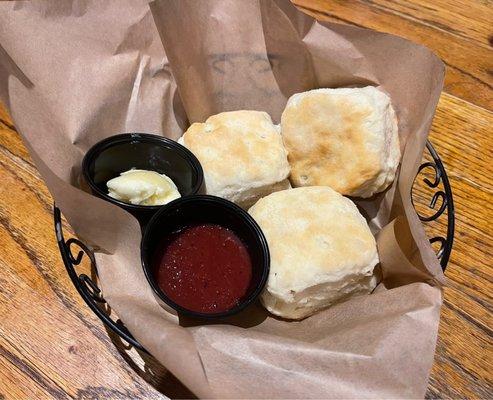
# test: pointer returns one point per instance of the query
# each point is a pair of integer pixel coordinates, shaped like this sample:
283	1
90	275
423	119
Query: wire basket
441	203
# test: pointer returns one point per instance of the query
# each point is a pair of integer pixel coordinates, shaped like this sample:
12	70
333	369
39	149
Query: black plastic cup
208	210
110	157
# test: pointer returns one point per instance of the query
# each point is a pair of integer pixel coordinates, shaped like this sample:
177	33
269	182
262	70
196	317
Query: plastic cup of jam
110	157
204	257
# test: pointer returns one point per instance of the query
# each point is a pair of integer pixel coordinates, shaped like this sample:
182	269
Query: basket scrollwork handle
440	196
85	285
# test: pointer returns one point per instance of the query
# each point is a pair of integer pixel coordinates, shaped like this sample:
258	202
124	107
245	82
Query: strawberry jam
203	268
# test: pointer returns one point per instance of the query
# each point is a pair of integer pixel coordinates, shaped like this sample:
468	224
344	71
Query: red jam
204	268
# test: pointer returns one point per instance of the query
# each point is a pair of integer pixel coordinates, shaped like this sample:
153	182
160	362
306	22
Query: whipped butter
142	187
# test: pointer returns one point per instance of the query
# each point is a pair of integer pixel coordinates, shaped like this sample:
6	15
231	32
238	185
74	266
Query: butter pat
141	187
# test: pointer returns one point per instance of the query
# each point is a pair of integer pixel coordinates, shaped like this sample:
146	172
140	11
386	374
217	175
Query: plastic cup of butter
204	257
114	155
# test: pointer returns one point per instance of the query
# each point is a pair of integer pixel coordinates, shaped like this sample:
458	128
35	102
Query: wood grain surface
52	346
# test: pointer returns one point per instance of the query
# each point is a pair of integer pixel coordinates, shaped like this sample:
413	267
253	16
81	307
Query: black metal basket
90	292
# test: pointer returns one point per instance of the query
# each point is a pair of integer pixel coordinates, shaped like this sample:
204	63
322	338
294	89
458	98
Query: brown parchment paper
74	72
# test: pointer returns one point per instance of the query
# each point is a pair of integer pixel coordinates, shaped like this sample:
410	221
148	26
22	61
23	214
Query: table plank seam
43	380
48	207
423	21
71	306
469	319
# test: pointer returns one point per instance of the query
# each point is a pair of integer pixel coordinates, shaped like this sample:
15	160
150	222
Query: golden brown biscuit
242	155
343	138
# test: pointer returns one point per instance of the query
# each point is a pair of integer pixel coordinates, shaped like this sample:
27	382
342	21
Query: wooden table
51	345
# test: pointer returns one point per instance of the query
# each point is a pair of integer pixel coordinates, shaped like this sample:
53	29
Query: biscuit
343	138
242	155
321	249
